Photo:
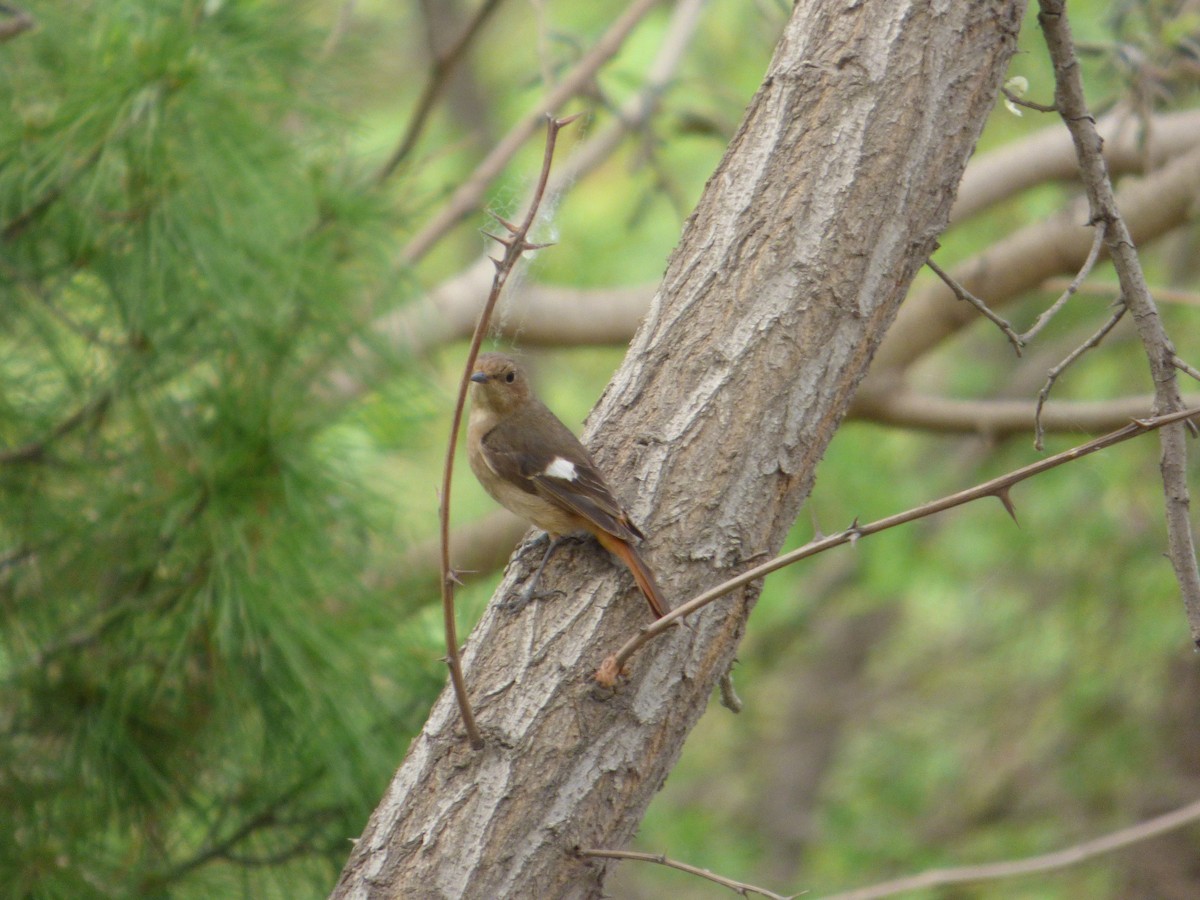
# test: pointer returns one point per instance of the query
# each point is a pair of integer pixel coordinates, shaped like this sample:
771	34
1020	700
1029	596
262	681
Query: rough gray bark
829	199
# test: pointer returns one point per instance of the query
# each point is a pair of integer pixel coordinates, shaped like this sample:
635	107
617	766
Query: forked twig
612	667
515	245
967	297
738	887
1039	432
1072	106
1084	271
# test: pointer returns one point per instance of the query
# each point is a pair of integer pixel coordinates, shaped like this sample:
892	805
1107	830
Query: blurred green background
211	661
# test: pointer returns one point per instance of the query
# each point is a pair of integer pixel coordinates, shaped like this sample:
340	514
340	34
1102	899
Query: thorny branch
612	666
1072	106
515	246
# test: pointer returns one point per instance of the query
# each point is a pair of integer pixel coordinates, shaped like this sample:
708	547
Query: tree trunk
805	240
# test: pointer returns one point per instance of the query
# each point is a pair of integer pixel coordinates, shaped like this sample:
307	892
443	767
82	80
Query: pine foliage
183	688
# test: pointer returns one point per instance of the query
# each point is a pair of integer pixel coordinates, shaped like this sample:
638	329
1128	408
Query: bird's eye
510	377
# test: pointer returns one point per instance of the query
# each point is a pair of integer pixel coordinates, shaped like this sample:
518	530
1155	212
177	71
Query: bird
534	466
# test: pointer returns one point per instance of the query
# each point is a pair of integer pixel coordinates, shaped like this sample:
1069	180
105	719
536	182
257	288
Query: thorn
453	577
507	224
1143	423
1003	497
854	532
563	123
526	246
507	242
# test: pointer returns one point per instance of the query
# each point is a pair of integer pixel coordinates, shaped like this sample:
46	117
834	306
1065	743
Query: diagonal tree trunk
829	199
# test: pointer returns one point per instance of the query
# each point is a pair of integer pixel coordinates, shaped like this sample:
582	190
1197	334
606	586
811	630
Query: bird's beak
480	377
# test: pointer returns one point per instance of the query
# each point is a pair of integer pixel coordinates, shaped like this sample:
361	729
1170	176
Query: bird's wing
558	468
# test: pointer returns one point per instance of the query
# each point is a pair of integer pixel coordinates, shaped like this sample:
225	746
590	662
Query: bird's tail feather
641	572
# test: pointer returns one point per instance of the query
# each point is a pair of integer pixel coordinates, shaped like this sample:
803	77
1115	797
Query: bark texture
805	240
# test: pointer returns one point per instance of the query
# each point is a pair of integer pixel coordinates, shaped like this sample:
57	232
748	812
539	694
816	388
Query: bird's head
499	383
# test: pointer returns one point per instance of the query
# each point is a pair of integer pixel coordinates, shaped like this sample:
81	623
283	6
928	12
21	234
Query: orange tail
641	572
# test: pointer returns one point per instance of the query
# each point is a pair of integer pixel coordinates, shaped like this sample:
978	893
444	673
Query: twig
443	67
1084	271
466	198
1028	104
613	666
1047	862
1025	258
1185	368
635	113
738	887
1052	376
515	246
963	294
1069	98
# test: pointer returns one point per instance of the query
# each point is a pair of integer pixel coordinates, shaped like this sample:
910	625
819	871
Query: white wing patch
560	468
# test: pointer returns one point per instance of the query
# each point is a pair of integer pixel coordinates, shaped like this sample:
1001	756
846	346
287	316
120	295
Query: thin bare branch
443	67
1084	271
963	294
1069	98
1185	368
467	197
1052	376
738	887
1021	261
1048	155
614	665
1028	104
515	246
558	316
1047	862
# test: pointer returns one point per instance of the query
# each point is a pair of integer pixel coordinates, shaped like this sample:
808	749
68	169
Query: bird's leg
521	600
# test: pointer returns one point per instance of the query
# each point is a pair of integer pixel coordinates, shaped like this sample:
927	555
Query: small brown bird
531	463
